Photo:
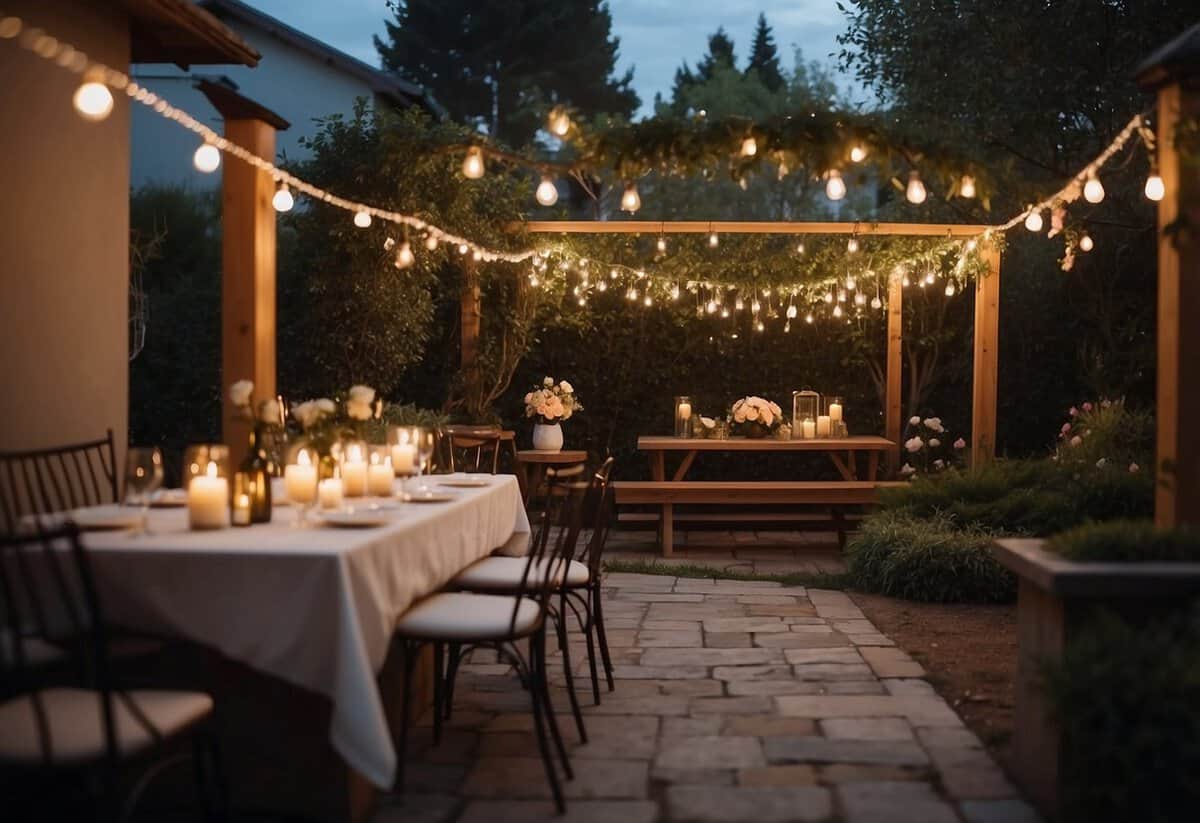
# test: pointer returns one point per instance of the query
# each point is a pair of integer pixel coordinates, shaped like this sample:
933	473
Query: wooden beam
248	275
987	350
1177	464
893	402
470	318
742	227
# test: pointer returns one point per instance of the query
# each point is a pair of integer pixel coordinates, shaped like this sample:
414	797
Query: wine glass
143	477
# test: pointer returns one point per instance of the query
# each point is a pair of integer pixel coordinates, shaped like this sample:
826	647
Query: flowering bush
552	402
267	414
755	416
928	448
1105	435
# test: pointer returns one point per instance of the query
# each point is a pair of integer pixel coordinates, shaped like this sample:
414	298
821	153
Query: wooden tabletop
551	457
766	444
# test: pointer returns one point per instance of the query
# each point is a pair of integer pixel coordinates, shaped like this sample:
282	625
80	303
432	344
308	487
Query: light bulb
283	200
472	167
858	154
876	303
559	121
966	188
711	307
916	189
477	256
547	192
739	304
431	242
791	312
93	101
601	286
852	245
837	311
841	296
533	280
1155	188
713	240
404	256
972	244
808	318
755	306
828	297
389	244
799	248
207	158
930	277
1033	221
724	312
749	147
1093	189
362	218
835	186
630	201
949	289
904	281
860	299
851	283
648	301
759	326
612	274
662	243
675	292
463	248
1086	243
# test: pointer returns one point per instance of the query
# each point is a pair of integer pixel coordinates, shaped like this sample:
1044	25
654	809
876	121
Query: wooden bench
668	493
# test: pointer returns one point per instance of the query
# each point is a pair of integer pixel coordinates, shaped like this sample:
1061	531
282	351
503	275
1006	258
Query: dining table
314	606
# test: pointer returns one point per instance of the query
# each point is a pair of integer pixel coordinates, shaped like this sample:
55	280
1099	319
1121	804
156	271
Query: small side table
533	463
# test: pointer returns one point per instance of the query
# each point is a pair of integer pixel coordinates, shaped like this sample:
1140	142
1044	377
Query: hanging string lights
835	186
283	200
1093	189
630	200
472	167
207	158
93	100
915	191
547	192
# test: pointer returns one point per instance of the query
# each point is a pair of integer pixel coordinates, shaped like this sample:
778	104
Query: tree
502	63
720	55
764	57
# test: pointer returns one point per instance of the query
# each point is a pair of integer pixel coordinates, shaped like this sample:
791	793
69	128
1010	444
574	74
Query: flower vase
547	437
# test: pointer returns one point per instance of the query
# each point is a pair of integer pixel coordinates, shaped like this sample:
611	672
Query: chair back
599	504
473	448
552	547
42	481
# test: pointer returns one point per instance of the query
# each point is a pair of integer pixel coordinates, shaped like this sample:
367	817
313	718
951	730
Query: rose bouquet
552	402
325	422
755	417
265	415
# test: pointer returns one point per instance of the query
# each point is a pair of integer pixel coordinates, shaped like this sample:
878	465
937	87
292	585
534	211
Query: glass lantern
683	417
380	474
834	408
806	406
353	464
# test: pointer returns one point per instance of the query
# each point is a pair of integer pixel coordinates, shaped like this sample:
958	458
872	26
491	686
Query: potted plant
549	404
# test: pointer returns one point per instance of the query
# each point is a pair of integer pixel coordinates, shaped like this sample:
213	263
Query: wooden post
893	405
248	274
987	350
470	317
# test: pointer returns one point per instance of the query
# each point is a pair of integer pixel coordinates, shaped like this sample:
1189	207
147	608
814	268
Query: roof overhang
1178	60
180	32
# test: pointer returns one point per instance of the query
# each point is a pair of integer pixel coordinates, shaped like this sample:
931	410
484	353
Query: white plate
470	481
168	499
355	519
430	497
107	518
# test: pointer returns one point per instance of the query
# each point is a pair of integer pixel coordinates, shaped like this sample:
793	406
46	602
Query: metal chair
70	718
57	479
468	446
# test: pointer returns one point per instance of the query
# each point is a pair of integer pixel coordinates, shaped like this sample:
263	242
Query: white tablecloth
315	607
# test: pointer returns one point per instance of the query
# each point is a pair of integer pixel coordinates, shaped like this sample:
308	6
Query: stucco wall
64	238
296	86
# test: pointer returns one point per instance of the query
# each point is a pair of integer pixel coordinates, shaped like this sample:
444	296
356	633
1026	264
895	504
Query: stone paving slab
734	701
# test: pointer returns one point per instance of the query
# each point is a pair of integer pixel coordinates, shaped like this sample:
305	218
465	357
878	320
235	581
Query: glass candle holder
241	505
806	429
834	408
402	446
300	483
683	417
206	477
380	474
353	464
806	406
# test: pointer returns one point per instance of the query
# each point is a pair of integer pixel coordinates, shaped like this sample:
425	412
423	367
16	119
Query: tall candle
300	480
208	500
823	425
685	411
835	412
404	458
354	473
330	493
808	429
380	477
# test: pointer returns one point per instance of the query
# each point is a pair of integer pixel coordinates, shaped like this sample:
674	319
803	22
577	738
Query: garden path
734	701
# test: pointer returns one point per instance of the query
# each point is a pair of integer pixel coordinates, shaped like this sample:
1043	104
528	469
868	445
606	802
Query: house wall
64	238
293	84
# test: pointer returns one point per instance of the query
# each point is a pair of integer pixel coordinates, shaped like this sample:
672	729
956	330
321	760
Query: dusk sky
656	35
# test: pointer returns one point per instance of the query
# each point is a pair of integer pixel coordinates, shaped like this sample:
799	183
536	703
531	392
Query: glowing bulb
915	193
739	304
547	192
713	240
477	256
755	306
835	186
791	312
675	292
904	281
808	318
362	218
632	294
648	301
828	297
404	257
876	303
966	188
858	154
207	158
711	307
93	101
851	282
799	248
1086	243
612	274
601	286
431	242
950	290
559	122
1155	188
1093	189
841	296
852	245
837	311
533	280
972	244
930	277
472	167
759	326
860	299
749	147
662	243
463	248
724	312
1033	221
630	201
283	200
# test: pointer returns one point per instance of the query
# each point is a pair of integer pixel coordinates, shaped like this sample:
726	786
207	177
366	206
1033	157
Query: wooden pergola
987	304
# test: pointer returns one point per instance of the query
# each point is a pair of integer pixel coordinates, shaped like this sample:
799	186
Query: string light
630	201
559	122
547	192
431	242
835	186
837	310
463	248
851	282
713	240
759	326
662	244
711	306
966	187
404	257
674	291
904	281
915	192
613	274
749	147
860	299
791	312
533	280
858	153
1033	221
876	303
1155	188
207	158
799	248
648	301
472	167
93	101
930	277
808	318
602	286
362	218
852	245
283	200
1093	189
949	289
1086	243
739	303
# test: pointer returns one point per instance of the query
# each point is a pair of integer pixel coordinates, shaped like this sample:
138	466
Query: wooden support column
470	318
893	402
987	350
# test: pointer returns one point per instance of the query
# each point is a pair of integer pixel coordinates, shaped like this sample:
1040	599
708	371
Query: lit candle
330	493
808	429
685	411
241	510
300	480
380	477
835	412
354	472
404	458
823	425
208	500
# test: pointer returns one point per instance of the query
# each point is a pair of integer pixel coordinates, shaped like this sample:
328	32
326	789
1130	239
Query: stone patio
744	551
734	701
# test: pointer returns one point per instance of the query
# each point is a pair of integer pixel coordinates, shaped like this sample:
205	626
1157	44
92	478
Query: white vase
547	438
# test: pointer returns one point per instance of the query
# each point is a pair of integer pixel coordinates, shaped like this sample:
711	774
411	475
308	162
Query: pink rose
1066	427
960	443
1074	412
1087	407
1076	440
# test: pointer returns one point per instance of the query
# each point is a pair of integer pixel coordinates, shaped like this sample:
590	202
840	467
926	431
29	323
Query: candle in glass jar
329	491
380	477
300	480
823	425
241	510
354	472
808	428
685	411
404	458
208	500
835	412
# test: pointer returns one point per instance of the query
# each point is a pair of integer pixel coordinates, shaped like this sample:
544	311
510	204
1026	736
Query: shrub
1107	433
927	558
1126	541
1127	700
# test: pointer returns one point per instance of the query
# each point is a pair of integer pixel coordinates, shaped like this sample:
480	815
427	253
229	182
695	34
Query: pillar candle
330	493
300	480
208	500
354	473
241	510
380	477
835	412
685	411
404	458
823	426
808	429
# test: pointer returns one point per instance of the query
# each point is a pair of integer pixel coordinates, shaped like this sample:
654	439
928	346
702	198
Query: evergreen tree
764	58
501	63
720	55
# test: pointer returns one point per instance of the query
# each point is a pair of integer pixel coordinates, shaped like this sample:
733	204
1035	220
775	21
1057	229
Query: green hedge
1127	541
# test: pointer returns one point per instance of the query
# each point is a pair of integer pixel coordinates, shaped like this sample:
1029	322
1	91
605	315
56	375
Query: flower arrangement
325	421
755	416
928	448
267	414
552	402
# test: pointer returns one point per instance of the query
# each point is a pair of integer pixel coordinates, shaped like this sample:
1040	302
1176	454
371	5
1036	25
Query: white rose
914	444
325	405
751	412
362	394
358	411
934	442
528	398
1134	468
707	422
914	421
304	413
766	417
565	386
1076	440
739	416
548	382
906	470
239	392
1102	462
268	412
938	464
775	408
